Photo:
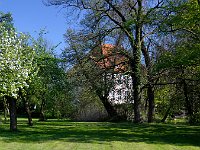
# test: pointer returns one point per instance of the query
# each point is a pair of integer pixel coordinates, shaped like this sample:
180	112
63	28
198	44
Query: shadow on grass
98	132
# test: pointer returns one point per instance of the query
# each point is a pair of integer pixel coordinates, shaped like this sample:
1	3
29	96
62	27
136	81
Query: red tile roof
108	56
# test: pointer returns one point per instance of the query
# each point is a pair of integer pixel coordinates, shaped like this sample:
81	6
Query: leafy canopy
17	65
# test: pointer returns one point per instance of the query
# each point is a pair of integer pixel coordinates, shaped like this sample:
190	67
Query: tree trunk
187	101
166	114
136	77
137	98
136	62
150	90
26	105
136	73
30	122
188	104
13	113
42	117
150	94
6	109
112	113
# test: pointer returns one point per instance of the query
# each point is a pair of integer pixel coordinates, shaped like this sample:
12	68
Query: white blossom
15	62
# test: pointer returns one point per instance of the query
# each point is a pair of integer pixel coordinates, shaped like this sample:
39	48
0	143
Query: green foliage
50	87
168	97
181	60
162	100
6	20
185	55
16	61
187	18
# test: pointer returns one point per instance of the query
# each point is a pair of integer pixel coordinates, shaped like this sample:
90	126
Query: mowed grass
66	135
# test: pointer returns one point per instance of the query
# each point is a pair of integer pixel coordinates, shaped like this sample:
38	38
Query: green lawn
60	135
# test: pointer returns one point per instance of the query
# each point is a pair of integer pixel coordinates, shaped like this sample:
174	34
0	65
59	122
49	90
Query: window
126	81
126	95
119	79
119	93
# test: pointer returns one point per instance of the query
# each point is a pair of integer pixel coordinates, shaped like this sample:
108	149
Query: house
113	60
111	63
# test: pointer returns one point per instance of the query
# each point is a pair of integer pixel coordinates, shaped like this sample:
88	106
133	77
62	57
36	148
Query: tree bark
151	110
30	121
150	90
136	72
187	101
27	107
136	98
42	117
112	113
6	109
166	114
109	108
13	113
188	104
136	63
136	76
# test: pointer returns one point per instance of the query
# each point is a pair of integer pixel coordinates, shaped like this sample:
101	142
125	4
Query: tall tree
17	67
50	86
127	16
183	57
79	53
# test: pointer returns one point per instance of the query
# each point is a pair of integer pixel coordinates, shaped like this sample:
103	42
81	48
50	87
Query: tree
51	87
183	58
126	16
79	53
17	68
6	20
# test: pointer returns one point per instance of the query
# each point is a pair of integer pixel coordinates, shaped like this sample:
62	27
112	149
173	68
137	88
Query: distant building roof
108	56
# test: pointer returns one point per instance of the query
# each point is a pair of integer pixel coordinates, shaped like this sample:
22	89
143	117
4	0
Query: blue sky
32	15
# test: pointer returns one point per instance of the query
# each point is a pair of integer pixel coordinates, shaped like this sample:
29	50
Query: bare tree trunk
136	76
136	72
42	117
27	107
166	114
150	90
112	113
30	121
136	63
13	113
137	99
6	109
150	94
187	102
109	108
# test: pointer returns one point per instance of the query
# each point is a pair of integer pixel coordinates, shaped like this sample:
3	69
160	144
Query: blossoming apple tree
17	67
